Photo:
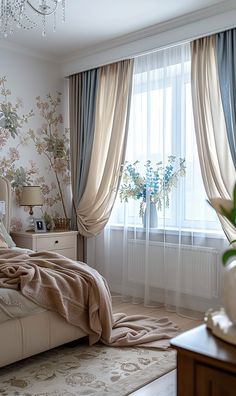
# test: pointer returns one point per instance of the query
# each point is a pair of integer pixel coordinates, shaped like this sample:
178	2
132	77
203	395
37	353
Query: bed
35	331
50	283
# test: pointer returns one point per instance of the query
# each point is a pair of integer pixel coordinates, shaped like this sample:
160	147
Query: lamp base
30	226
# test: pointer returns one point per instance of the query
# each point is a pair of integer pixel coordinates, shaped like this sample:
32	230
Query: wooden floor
165	385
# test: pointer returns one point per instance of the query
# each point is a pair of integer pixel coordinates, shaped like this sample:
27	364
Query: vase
150	216
229	291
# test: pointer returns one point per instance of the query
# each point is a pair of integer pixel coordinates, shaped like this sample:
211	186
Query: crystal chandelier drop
21	13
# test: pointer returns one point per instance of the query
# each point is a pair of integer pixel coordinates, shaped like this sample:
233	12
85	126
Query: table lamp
31	196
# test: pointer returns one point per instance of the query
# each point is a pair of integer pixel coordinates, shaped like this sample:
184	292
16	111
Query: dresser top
200	340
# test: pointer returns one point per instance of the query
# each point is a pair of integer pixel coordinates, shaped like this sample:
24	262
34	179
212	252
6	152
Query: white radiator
190	269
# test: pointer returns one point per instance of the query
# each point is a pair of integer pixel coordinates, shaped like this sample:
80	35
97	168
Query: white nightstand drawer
64	242
55	242
69	253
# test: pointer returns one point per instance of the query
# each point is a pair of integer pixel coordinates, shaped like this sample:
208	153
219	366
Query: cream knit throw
81	295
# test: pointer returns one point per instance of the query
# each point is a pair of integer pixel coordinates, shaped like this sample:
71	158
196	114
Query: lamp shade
31	196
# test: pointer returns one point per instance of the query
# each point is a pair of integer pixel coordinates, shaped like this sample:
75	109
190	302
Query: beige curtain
111	123
214	153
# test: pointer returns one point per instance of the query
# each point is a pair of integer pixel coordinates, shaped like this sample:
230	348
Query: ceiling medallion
21	13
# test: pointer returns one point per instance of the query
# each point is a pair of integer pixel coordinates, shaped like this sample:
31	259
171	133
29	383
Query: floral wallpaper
35	156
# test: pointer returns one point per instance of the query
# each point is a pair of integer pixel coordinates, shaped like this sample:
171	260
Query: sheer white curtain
176	261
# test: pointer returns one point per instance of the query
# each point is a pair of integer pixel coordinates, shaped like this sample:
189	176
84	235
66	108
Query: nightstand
63	242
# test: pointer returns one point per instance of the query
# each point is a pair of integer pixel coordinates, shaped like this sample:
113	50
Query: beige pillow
3	244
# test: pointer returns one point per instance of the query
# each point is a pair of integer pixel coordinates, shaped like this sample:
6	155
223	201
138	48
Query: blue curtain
226	59
82	104
83	88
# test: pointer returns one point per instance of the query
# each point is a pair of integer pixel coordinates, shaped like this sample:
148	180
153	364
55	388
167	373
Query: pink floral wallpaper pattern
40	156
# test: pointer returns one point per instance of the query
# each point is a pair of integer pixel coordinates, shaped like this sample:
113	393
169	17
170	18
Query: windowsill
172	231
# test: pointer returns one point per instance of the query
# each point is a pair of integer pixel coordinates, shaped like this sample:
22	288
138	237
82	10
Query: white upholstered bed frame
27	336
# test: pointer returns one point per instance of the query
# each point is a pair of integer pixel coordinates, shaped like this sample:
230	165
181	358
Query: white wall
28	77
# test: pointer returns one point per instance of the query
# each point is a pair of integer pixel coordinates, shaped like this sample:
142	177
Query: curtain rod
150	51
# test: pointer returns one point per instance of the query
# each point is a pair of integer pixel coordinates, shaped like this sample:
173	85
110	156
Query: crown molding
152	30
129	41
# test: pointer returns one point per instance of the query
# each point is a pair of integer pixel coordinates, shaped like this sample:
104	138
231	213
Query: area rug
83	370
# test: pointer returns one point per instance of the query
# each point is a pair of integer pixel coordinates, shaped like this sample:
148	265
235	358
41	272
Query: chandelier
21	13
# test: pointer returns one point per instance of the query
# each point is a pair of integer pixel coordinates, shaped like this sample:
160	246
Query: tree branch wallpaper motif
35	156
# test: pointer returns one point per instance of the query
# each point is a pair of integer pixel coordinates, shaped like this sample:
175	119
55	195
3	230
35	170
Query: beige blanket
81	295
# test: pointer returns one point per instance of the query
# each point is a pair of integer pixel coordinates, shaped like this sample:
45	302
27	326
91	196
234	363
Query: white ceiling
90	23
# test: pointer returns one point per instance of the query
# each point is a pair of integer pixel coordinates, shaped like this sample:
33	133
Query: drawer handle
56	241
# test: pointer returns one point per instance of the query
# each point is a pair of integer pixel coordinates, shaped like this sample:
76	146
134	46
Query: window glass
161	124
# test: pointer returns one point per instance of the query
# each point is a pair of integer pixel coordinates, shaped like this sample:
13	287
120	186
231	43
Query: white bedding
14	305
27	328
21	249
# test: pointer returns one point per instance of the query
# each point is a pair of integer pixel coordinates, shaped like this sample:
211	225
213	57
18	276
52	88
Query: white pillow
3	244
6	237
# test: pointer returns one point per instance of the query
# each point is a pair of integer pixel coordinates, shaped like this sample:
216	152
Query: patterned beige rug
84	370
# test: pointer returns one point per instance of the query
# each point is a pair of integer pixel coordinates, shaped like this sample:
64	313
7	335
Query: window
161	124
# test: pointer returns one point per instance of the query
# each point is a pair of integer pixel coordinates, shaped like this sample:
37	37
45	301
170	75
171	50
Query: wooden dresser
63	242
206	365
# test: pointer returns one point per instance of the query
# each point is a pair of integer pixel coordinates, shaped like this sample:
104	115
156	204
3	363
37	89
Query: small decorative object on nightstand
62	224
39	225
64	242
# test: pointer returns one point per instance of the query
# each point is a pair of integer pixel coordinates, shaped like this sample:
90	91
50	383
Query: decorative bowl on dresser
63	242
